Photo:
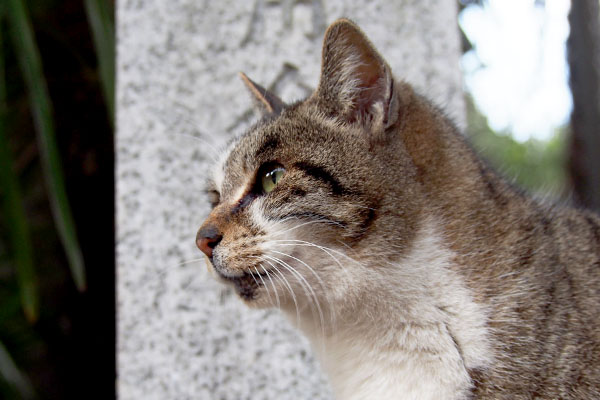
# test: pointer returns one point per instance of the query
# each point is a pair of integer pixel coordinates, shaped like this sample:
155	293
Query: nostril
213	243
207	239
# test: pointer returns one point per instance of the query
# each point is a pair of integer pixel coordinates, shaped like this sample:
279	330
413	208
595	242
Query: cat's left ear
266	102
355	80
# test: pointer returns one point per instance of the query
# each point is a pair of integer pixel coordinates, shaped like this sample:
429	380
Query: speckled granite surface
180	334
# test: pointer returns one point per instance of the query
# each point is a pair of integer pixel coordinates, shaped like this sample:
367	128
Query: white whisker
164	271
272	284
321	221
325	289
328	250
289	287
264	284
213	152
306	286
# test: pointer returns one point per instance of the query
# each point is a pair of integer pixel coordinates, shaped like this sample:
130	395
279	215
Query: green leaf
31	68
12	375
16	222
100	18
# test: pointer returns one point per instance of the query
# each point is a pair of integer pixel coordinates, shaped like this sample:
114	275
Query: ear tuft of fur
265	102
355	79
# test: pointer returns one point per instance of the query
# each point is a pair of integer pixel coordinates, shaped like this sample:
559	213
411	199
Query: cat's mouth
247	283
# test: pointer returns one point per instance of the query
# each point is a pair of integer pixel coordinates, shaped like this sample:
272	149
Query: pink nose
207	239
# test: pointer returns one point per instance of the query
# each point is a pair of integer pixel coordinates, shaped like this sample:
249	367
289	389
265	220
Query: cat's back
576	236
545	299
533	266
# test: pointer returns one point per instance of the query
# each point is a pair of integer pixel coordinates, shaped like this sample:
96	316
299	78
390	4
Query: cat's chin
250	291
248	287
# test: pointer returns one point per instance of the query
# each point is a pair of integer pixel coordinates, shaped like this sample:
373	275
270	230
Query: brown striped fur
372	160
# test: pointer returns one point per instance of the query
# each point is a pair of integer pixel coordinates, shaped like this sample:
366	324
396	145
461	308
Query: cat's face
298	199
295	194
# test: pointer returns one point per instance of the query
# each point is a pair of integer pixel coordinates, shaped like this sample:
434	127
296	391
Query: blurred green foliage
30	63
14	211
535	165
44	45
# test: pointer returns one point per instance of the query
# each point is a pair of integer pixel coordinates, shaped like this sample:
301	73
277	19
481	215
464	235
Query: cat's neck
405	326
417	319
476	207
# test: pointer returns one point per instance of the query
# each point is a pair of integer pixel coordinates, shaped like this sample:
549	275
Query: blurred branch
13	375
31	68
100	17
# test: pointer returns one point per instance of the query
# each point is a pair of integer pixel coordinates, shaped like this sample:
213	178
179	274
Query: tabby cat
415	271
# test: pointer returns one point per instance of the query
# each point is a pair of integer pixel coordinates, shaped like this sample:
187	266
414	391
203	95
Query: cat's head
315	191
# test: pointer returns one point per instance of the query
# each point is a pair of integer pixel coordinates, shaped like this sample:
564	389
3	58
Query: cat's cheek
257	217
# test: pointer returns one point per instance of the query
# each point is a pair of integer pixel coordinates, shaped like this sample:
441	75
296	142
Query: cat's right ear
356	83
266	103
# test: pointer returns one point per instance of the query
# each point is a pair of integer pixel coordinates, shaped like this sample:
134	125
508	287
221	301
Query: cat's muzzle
246	283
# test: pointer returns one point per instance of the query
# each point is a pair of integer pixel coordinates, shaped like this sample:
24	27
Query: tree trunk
584	62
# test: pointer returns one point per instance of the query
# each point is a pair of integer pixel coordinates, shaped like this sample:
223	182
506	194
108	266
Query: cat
413	268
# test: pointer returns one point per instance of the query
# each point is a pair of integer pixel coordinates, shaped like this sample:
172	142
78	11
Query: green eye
271	178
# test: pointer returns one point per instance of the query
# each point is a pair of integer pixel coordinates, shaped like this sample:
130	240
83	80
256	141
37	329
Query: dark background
69	351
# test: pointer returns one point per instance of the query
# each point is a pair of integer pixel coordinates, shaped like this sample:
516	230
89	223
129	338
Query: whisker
327	250
272	284
322	221
214	150
296	274
321	282
325	289
264	284
164	271
281	221
304	283
254	279
289	287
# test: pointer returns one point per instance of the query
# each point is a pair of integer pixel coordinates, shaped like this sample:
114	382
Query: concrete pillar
180	334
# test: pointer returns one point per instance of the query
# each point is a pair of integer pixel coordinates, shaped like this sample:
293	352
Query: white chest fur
425	365
425	334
